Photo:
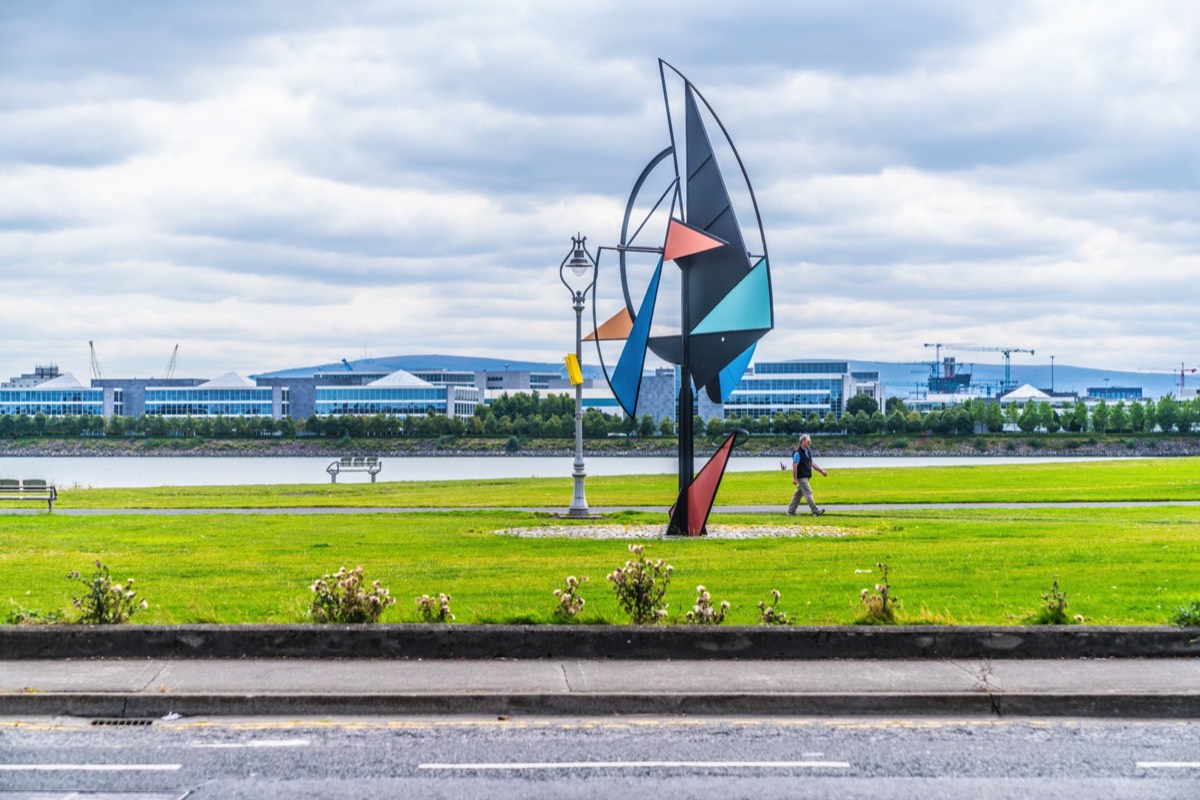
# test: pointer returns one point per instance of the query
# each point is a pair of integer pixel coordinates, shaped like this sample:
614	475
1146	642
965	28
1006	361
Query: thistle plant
880	606
640	586
342	597
1054	608
106	602
432	610
769	614
568	602
704	612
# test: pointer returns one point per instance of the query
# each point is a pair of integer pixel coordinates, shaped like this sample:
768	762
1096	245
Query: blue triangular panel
626	380
746	307
733	373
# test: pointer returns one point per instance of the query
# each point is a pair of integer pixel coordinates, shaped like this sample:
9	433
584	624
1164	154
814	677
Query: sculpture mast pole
686	419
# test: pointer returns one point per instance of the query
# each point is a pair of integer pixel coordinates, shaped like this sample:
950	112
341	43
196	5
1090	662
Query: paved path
157	687
730	509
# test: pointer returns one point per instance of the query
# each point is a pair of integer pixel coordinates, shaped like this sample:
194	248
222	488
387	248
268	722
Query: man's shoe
790	513
818	512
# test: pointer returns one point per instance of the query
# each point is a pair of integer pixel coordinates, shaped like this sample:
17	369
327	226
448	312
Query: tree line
529	415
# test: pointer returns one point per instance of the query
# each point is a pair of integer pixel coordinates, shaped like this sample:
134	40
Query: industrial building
447	385
808	387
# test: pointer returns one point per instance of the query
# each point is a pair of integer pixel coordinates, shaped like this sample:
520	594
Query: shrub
880	606
568	602
1187	616
769	614
341	598
106	602
434	610
640	586
704	612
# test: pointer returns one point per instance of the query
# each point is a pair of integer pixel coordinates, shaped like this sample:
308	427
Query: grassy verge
1142	479
1126	566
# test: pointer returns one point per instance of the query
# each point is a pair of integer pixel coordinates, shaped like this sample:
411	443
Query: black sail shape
712	274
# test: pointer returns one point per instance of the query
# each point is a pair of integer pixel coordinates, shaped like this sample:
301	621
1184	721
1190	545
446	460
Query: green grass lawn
1143	479
964	566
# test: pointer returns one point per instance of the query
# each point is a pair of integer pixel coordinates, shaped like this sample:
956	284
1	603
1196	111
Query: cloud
273	184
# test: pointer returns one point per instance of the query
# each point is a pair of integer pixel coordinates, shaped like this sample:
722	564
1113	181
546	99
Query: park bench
368	464
28	489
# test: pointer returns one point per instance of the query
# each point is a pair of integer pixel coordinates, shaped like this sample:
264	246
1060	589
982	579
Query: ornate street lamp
578	274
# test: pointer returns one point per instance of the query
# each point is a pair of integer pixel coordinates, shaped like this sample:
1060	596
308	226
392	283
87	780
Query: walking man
802	470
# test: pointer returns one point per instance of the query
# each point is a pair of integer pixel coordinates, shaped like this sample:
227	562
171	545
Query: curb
617	642
976	704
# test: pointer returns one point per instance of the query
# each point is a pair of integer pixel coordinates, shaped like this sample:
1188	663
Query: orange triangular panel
684	240
617	328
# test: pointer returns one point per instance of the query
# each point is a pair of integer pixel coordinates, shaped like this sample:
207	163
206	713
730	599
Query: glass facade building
399	401
52	401
805	387
399	394
199	401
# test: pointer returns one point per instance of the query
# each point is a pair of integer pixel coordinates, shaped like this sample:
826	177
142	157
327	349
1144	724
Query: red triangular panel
702	491
684	240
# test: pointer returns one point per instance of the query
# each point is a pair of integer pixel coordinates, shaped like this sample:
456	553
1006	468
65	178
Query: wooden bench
368	464
28	489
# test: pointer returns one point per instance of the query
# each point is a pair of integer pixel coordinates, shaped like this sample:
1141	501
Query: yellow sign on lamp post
574	373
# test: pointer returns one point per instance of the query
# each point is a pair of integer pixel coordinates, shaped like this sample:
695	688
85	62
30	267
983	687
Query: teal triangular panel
626	380
746	307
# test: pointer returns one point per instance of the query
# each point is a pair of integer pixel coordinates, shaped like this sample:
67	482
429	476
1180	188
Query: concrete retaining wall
590	642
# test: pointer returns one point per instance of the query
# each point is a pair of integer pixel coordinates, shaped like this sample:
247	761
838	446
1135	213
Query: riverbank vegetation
1116	565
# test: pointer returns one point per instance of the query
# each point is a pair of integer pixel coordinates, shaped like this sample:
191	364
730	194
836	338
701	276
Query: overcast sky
274	184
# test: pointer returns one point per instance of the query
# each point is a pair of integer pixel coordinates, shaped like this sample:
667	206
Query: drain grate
122	723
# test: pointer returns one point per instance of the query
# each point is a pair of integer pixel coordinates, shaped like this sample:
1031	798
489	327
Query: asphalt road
475	757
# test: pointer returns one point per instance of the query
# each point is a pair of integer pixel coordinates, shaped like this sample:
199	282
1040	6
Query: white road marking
1168	764
643	765
89	767
257	743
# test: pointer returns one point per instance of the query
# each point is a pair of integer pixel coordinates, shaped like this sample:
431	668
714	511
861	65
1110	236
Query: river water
125	472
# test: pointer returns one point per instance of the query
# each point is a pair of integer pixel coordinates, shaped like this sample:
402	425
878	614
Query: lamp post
578	274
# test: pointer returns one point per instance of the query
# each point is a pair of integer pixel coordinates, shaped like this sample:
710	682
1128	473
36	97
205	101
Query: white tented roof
401	379
64	381
230	380
1025	392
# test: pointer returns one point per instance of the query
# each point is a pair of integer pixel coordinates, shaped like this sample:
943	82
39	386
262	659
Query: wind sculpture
722	282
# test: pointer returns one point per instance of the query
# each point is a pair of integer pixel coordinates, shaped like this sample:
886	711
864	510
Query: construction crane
1182	370
946	376
170	371
1007	351
96	371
